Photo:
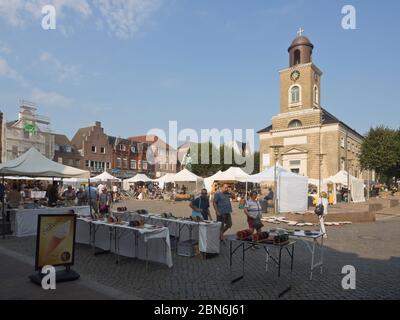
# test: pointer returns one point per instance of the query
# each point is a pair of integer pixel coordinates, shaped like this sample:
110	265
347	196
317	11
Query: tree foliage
209	159
380	151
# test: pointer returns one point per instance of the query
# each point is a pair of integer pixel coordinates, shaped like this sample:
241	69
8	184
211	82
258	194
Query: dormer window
295	124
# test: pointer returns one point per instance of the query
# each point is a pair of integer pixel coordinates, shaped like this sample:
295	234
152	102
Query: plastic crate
189	248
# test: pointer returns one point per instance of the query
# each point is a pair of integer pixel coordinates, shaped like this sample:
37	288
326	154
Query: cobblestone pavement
372	248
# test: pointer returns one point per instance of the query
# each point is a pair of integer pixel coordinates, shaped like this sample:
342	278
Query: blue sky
136	64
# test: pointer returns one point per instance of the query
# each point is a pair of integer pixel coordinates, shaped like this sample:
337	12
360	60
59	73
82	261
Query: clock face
295	75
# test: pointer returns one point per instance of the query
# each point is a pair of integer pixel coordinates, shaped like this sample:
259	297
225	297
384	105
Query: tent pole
3	209
90	206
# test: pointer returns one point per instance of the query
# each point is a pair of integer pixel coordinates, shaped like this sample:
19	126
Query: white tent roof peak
33	164
140	178
184	176
105	176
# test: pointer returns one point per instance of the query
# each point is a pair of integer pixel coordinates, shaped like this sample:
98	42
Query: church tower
304	137
300	87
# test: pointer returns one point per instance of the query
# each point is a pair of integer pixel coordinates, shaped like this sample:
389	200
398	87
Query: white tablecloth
207	233
158	249
24	221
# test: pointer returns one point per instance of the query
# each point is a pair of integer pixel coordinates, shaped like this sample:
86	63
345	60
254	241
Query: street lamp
348	179
320	157
276	154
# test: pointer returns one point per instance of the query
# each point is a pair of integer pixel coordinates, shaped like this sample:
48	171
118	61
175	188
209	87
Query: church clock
295	75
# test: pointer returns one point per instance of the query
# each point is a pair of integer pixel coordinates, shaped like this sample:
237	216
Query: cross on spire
300	32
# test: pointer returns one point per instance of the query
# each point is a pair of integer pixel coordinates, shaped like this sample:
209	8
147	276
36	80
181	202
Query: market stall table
206	232
235	245
317	238
24	221
126	241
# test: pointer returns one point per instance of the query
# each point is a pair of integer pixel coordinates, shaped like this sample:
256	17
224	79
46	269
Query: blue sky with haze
137	64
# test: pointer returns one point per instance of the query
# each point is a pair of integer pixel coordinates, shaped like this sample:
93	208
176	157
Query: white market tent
186	177
356	185
33	164
139	178
208	182
267	175
292	189
233	174
164	179
105	177
292	192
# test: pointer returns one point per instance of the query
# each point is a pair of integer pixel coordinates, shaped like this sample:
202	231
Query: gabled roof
79	135
267	129
114	140
151	139
61	139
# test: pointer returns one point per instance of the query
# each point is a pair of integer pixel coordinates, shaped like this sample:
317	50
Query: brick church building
304	137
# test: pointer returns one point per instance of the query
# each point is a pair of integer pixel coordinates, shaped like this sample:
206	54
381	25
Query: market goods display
111	220
168	215
142	211
281	239
122	209
260	236
197	219
244	234
136	223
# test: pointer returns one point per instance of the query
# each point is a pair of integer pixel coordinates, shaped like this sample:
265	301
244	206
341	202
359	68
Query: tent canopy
139	178
232	174
105	177
268	174
33	164
184	176
342	177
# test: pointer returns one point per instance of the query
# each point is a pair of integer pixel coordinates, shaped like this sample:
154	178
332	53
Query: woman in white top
253	211
323	199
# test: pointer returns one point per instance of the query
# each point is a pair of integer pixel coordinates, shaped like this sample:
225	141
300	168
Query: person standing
104	201
323	200
69	195
223	208
253	211
52	194
81	196
115	192
14	197
91	196
201	205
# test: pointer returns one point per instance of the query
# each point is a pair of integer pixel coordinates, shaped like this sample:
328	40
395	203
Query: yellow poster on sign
55	240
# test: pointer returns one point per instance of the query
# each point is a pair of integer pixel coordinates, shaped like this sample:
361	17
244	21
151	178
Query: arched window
295	94
295	124
316	98
297	57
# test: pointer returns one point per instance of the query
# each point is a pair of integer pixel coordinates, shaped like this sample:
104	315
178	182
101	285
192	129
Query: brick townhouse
94	147
65	152
164	155
128	158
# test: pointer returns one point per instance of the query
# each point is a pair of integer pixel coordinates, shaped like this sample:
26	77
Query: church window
342	144
297	57
295	124
315	94
295	94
